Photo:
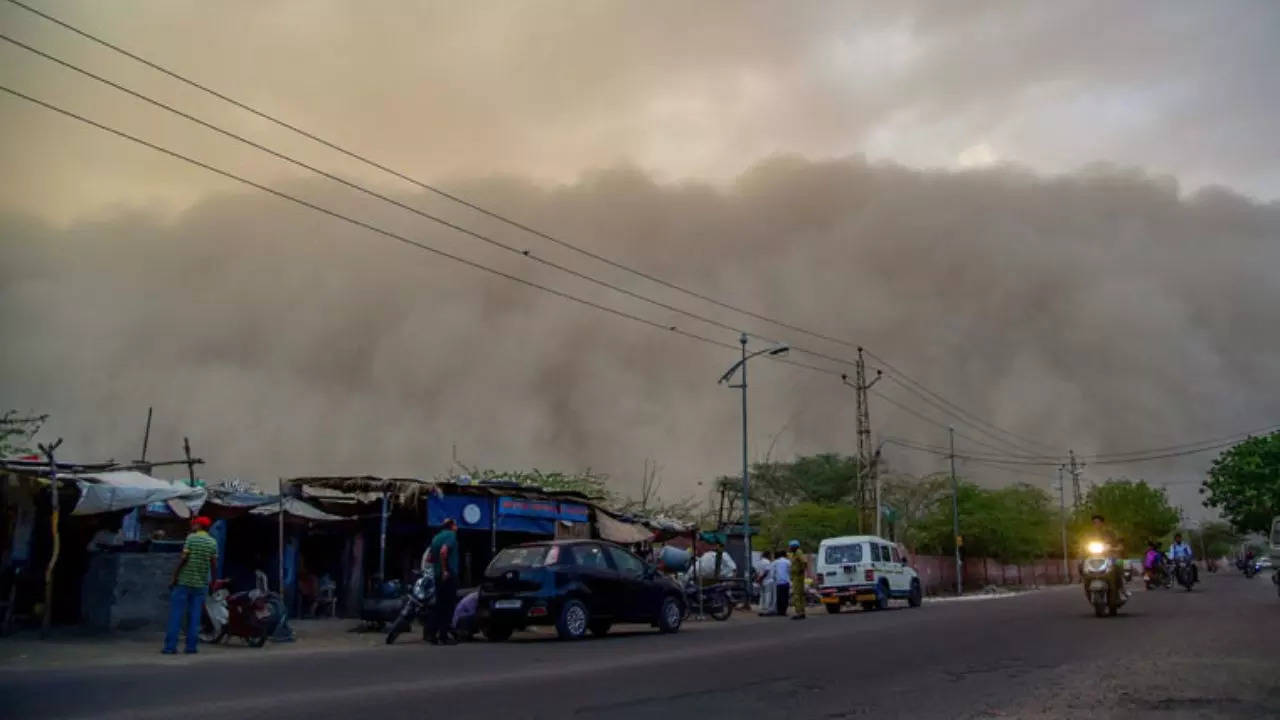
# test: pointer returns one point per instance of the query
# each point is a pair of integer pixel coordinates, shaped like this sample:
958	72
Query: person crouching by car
190	584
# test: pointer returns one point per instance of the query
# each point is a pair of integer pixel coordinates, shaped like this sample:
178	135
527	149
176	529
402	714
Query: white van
864	569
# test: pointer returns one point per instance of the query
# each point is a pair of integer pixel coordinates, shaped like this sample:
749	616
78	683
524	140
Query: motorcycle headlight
1096	548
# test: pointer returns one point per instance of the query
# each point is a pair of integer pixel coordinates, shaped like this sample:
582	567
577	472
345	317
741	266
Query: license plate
865	598
506	604
1098	585
831	600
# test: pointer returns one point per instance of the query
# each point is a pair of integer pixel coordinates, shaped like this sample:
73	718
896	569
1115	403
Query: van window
897	557
842	554
884	552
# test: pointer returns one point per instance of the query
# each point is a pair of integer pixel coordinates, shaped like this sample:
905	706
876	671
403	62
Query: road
1170	654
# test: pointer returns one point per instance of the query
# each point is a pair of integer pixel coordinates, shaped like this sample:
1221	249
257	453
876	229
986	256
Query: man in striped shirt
190	584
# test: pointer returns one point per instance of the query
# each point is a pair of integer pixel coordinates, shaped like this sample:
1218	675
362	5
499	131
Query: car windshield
520	557
843	554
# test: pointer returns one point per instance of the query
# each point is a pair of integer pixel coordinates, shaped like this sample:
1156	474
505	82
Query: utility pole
1062	514
746	488
955	512
864	460
53	528
1075	480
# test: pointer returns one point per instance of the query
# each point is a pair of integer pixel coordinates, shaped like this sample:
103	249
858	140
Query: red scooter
251	615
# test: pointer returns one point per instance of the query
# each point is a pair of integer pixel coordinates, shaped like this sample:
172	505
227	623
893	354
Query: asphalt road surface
1169	654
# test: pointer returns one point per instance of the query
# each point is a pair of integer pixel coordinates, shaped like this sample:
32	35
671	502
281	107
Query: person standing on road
444	564
799	569
782	583
764	575
189	585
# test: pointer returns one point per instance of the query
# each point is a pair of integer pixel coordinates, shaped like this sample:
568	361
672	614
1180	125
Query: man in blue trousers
190	584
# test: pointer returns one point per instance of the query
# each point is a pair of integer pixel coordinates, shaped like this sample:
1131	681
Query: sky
1058	215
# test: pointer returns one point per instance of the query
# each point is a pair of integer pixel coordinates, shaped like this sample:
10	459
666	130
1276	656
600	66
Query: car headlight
1096	548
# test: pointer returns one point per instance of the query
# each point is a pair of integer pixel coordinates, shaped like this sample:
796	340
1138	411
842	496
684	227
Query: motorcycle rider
1106	535
1182	551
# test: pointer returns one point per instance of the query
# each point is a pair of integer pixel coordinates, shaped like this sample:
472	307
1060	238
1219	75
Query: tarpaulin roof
297	508
623	533
125	489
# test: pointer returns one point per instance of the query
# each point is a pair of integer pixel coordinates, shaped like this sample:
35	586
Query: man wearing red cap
190	583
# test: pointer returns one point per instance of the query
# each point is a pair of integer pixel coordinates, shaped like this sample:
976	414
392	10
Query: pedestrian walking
799	569
444	563
782	583
764	575
189	586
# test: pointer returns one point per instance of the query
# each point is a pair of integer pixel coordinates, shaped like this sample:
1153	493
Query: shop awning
297	508
620	532
125	489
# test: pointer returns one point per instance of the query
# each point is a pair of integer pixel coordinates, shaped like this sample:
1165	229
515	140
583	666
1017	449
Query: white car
864	569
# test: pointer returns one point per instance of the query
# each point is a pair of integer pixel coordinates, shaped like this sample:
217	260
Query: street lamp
773	351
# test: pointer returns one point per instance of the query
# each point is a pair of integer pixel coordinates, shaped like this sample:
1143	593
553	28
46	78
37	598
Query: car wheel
670	615
573	620
497	633
833	608
882	596
600	628
916	596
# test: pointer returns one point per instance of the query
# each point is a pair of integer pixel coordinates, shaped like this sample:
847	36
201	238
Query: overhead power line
966	417
395	236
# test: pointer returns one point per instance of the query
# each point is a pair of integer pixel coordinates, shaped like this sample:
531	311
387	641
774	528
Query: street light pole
746	484
776	350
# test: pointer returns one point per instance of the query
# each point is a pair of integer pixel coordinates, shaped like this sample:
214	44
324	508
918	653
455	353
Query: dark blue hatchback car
577	586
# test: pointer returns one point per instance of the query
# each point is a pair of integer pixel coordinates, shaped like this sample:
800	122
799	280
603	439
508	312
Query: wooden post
53	524
146	436
189	462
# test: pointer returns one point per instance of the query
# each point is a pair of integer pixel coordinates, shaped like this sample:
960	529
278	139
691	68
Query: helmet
793	544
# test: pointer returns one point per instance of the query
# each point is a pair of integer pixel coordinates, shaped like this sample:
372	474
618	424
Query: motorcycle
1157	577
252	615
417	603
1097	573
714	600
1184	572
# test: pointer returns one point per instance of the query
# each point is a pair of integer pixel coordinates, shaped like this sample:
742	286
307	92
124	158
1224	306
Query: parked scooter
252	614
417	605
1100	588
714	600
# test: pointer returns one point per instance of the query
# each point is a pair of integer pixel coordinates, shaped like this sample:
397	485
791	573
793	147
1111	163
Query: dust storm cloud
1072	308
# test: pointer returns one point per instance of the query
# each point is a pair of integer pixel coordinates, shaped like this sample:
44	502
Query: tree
1012	524
16	431
825	479
1244	483
912	499
1134	510
810	523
